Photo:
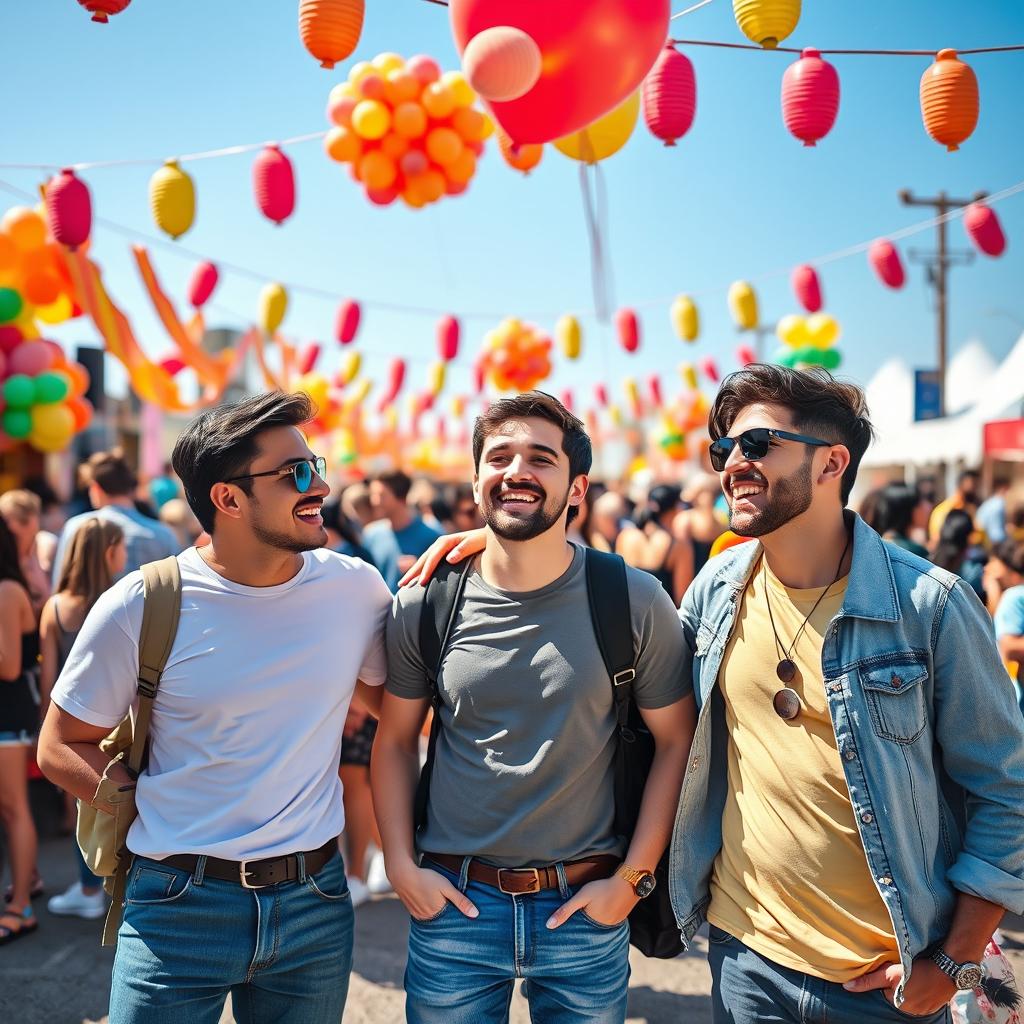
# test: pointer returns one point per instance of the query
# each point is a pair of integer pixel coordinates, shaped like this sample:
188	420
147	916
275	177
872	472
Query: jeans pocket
150	884
600	924
719	937
448	905
330	883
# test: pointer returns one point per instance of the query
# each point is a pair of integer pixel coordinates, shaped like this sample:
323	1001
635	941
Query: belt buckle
243	872
519	871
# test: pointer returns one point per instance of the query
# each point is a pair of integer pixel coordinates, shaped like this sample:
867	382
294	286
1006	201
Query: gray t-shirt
523	773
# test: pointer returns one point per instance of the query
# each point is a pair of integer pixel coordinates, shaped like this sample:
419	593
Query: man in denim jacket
852	819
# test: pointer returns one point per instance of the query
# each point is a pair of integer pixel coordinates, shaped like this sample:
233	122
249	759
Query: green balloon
10	305
785	356
17	423
831	358
19	391
50	387
808	356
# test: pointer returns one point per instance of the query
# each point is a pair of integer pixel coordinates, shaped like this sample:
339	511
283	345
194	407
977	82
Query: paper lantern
654	387
885	261
68	209
437	378
396	378
101	10
273	184
601	395
766	22
984	229
351	364
594	55
172	198
670	96
710	369
685	318
627	325
632	393
273	306
447	338
949	100
807	287
743	305
346	323
569	336
810	97
502	63
202	284
745	355
604	137
689	375
309	358
330	29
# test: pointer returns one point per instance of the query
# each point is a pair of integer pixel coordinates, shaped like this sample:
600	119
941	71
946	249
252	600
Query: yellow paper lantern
743	305
685	318
605	136
569	336
458	406
273	307
689	375
362	391
766	22
615	415
172	198
351	364
437	378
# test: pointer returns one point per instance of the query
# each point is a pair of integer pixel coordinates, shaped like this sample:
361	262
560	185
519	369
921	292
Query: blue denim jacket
930	738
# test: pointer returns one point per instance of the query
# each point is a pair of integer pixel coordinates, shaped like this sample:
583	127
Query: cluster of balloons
809	341
407	130
681	427
516	356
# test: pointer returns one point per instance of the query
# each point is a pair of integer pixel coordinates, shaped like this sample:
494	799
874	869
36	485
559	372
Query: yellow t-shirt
791	880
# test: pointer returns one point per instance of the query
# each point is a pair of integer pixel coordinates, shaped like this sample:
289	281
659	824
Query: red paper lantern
479	375
204	280
628	327
447	338
654	387
103	9
710	369
273	182
810	97
601	394
396	378
984	229
807	287
885	261
566	399
745	355
308	358
68	209
347	322
670	96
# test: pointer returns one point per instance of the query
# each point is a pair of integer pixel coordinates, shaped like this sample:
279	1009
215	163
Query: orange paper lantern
330	29
949	100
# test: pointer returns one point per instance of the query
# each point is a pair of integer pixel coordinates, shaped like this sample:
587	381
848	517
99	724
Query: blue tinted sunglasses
301	472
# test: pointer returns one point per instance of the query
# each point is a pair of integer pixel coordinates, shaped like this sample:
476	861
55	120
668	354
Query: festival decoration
68	209
627	326
569	336
807	288
437	378
670	438
202	284
395	379
351	364
689	375
885	261
273	183
522	157
710	369
309	357
745	355
605	136
273	307
984	229
601	395
949	100
172	198
743	305
766	22
810	97
670	96
516	356
101	10
330	29
632	393
809	341
502	63
685	318
447	338
593	56
346	324
654	388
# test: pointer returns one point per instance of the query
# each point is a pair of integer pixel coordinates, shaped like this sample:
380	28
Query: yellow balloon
387	62
437	377
603	137
689	375
57	312
53	421
273	307
822	330
615	415
569	335
362	390
371	119
316	387
350	366
792	330
743	305
685	318
360	70
458	406
461	89
172	198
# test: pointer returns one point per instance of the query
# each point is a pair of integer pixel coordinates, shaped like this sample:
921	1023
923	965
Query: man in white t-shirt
236	884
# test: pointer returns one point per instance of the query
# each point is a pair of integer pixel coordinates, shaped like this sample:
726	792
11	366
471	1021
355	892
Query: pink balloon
567	399
710	369
414	162
745	355
309	357
447	338
30	358
654	387
346	323
601	394
426	69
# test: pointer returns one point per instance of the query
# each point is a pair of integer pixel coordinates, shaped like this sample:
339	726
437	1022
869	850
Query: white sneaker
73	902
376	877
358	891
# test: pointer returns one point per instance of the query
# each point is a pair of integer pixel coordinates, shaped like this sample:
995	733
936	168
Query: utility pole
938	263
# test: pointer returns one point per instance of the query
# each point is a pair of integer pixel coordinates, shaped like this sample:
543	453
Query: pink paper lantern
566	399
807	288
885	261
670	96
601	395
447	338
628	327
346	324
984	229
201	286
478	378
654	387
710	369
745	355
68	209
810	97
309	357
273	183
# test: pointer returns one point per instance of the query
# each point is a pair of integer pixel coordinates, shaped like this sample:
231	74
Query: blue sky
737	198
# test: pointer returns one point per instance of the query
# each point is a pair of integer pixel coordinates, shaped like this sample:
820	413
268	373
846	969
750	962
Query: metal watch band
952	969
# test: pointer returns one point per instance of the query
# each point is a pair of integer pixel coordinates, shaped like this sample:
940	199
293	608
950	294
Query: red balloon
885	260
670	96
396	378
68	209
10	338
478	378
309	357
628	327
273	183
31	358
447	338
984	228
204	280
102	9
807	287
810	97
347	322
595	54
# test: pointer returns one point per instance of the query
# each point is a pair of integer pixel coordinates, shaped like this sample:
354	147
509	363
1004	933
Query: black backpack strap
608	594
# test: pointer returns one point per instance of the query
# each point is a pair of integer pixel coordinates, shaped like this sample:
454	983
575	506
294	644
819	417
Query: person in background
700	525
1004	575
343	535
112	484
955	552
95	557
465	511
19	723
610	515
401	536
868	509
355	504
421	498
1003	571
163	488
175	514
584	522
53	515
898	511
991	515
652	546
964	499
21	511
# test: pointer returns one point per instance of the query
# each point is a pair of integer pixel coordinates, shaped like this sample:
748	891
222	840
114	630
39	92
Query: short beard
283	541
525	528
791	498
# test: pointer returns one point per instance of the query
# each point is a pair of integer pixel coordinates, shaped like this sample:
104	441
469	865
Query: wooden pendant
787	704
786	670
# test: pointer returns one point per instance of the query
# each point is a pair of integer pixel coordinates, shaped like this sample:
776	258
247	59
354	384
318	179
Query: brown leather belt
523	881
255	874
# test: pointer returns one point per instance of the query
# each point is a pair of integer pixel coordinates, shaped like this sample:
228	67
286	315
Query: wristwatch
965	976
642	880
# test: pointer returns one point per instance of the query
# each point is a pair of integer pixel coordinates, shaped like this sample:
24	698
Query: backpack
652	923
101	836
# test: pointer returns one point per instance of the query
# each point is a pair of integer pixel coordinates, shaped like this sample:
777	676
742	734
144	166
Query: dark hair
10	563
895	511
1011	554
869	509
540	405
953	539
222	443
462	493
111	473
968	474
397	483
834	410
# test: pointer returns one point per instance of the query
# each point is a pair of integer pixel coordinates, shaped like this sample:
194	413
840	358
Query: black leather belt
255	874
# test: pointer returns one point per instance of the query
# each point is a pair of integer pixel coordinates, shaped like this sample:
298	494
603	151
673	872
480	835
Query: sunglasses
301	473
754	444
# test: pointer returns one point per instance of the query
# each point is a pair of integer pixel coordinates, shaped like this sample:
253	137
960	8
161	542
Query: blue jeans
462	970
85	876
747	988
284	952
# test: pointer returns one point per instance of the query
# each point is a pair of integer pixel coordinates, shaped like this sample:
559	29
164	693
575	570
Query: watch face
645	885
968	977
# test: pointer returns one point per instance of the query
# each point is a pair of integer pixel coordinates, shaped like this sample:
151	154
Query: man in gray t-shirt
518	871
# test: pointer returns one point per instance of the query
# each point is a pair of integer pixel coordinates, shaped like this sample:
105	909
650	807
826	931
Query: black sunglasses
754	444
302	473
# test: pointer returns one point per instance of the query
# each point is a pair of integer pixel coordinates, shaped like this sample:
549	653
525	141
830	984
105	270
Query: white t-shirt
246	730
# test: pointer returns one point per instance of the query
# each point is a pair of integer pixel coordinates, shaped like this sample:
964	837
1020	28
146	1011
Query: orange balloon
79	379
462	169
41	288
25	228
343	145
438	100
377	170
394	145
409	120
444	146
8	253
401	86
470	124
412	197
